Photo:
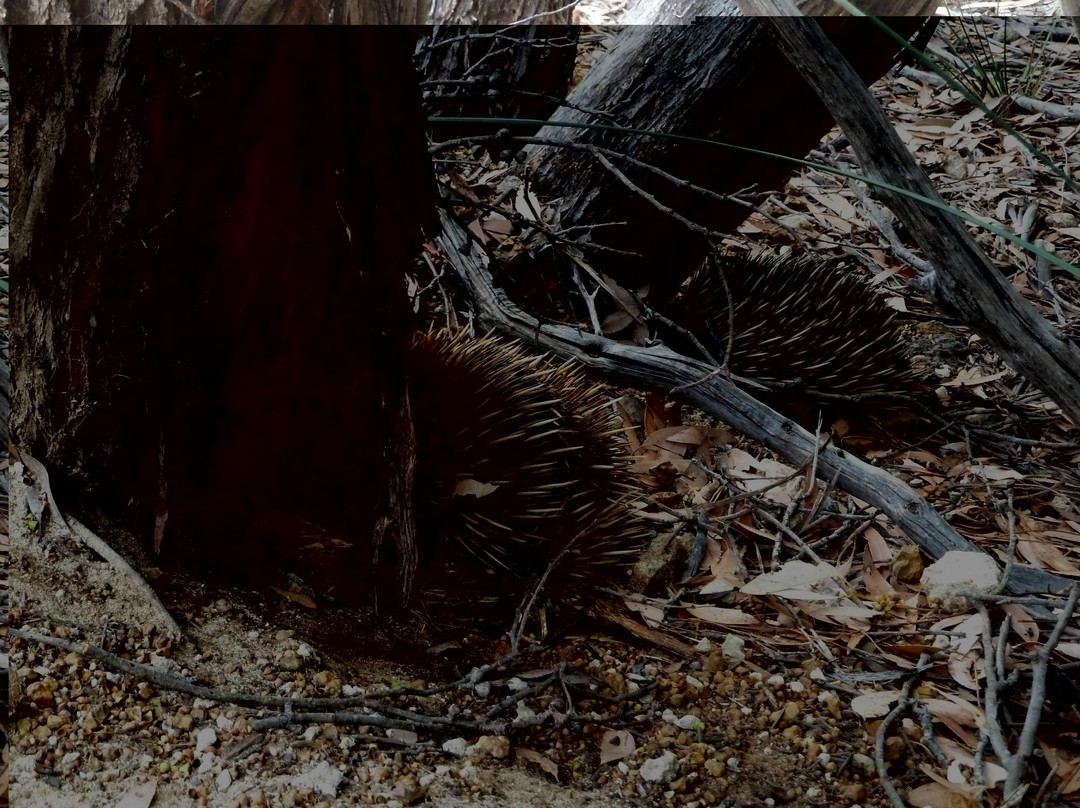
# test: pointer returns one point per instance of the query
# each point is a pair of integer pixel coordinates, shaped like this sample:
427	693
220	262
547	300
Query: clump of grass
989	63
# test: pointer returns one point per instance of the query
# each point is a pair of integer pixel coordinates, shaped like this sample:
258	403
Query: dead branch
965	280
660	368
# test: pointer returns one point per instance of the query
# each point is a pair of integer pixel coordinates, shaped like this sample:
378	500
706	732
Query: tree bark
965	281
829	8
282	12
510	72
480	12
722	79
211	319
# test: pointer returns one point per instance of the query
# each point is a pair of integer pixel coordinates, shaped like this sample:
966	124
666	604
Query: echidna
517	463
796	323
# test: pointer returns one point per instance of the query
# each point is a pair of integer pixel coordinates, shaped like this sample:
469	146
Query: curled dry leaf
139	796
875	704
296	597
938	795
723	617
473	488
797	580
653	615
543	761
615	745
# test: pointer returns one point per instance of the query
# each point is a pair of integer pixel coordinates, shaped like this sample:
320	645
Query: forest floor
755	688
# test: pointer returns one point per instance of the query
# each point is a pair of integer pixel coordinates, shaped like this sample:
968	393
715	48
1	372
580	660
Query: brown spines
799	324
517	463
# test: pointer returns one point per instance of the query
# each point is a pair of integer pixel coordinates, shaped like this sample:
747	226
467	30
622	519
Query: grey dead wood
660	368
965	282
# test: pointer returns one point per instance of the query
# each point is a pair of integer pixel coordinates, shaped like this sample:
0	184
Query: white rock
734	648
704	645
204	738
455	746
324	778
660	769
690	722
469	773
224	780
956	572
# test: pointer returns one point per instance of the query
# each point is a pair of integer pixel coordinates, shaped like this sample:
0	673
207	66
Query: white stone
324	778
660	769
455	746
204	738
690	722
957	572
734	648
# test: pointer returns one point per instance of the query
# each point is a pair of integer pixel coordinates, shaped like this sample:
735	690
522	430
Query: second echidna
518	465
796	323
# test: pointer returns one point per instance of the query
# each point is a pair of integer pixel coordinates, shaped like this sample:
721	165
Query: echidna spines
541	435
798	322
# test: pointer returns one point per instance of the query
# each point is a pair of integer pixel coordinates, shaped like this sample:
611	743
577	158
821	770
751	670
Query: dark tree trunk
482	12
721	79
211	316
510	72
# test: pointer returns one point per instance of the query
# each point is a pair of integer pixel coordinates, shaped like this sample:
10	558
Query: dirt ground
86	735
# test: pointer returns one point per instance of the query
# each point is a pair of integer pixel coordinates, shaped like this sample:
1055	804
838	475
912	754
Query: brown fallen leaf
543	761
615	745
296	597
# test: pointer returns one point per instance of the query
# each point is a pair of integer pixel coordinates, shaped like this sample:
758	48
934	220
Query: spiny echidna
798	323
518	464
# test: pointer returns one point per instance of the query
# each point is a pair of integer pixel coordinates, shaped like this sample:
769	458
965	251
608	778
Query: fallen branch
660	368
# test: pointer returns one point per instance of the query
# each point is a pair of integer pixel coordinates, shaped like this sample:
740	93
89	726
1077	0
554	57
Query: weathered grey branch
965	280
662	369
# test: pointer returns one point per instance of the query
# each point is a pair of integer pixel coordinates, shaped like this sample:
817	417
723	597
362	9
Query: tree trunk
513	72
211	318
282	12
479	12
721	79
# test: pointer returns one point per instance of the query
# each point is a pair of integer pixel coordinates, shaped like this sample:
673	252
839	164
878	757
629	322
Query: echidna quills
537	442
799	323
